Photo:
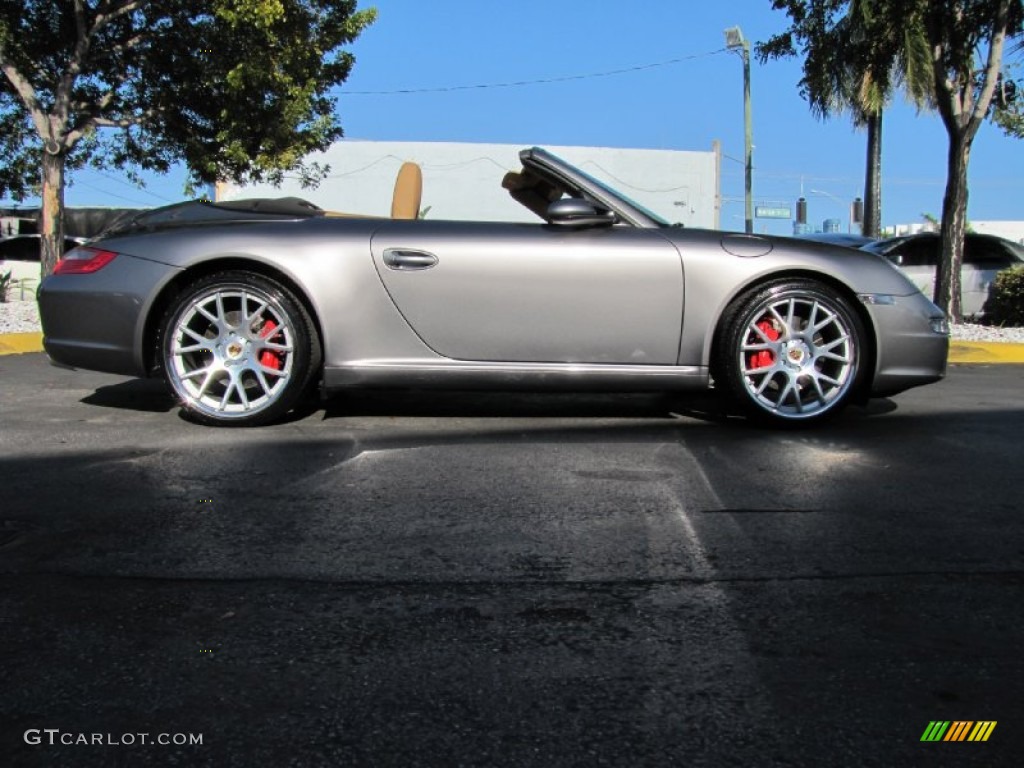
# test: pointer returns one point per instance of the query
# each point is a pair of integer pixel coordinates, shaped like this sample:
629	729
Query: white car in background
984	257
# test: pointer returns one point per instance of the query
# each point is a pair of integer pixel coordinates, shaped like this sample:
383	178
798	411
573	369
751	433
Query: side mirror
577	212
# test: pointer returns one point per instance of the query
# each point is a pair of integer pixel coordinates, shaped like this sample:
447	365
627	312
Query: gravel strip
23	317
18	316
988	333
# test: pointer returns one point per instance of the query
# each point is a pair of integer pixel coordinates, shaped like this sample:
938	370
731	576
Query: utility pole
735	41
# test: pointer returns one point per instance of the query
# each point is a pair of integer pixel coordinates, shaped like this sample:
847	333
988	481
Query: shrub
1005	304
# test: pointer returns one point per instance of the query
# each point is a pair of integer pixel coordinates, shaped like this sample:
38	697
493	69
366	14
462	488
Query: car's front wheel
238	349
791	352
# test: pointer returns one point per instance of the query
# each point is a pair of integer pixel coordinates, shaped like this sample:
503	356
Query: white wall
463	181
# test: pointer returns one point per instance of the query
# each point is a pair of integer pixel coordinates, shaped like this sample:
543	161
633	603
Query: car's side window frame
987	254
918	252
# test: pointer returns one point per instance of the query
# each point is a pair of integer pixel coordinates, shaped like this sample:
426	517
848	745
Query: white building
463	181
1011	230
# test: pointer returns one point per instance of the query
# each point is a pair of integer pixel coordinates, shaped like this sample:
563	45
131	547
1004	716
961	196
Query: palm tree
853	64
966	40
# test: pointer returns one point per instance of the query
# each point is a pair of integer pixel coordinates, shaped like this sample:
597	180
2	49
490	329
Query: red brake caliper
269	358
765	357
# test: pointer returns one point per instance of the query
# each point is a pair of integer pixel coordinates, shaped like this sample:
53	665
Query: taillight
82	260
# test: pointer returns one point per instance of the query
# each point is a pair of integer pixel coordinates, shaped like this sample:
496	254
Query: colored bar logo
958	730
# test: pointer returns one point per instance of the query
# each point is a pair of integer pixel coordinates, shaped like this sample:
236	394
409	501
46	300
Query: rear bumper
97	321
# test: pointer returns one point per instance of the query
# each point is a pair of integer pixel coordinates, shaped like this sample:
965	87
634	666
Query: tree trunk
954	224
872	224
51	229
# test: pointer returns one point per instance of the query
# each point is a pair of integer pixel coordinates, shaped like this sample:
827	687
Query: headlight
878	298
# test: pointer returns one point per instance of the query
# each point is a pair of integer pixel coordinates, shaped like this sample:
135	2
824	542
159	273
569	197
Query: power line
107	192
142	189
623	183
539	81
424	166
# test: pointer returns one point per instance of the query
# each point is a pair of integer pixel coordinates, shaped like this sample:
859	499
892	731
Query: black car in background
20	255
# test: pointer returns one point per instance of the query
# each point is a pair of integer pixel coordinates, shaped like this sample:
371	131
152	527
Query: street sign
762	212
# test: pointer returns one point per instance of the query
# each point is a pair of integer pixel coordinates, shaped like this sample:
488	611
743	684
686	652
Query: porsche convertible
244	307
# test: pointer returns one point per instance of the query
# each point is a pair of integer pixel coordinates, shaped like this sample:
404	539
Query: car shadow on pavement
151	396
475	404
702	406
148	395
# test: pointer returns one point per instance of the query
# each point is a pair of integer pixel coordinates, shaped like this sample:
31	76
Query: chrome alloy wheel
798	355
231	352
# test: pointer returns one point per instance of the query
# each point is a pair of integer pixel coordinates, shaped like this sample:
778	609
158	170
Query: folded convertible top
198	212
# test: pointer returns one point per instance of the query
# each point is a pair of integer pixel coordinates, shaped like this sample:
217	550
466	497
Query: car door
984	258
535	293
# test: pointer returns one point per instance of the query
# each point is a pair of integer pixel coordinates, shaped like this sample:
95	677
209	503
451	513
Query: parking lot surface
510	580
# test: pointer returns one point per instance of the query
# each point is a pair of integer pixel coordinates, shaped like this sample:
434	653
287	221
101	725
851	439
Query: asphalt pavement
427	579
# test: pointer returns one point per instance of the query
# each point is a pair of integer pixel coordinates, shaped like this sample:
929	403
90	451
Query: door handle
403	258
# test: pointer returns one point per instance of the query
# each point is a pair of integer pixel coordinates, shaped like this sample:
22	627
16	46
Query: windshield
660	220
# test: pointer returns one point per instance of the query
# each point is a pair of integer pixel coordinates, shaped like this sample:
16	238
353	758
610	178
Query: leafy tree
1009	100
966	39
853	59
1011	116
236	89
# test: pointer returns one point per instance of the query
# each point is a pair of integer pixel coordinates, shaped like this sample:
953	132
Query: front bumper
912	347
97	321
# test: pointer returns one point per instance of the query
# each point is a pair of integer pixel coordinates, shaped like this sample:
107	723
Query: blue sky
684	105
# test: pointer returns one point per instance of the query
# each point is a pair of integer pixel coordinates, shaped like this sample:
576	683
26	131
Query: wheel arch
180	282
839	286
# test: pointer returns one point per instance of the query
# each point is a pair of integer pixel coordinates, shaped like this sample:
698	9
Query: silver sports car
243	307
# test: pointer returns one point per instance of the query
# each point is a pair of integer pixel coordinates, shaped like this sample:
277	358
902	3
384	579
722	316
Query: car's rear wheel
791	352
238	349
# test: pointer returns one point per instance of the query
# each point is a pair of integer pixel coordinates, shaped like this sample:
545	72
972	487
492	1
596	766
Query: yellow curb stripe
19	343
985	352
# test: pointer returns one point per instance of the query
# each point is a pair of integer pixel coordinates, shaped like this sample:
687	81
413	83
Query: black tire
238	349
790	352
